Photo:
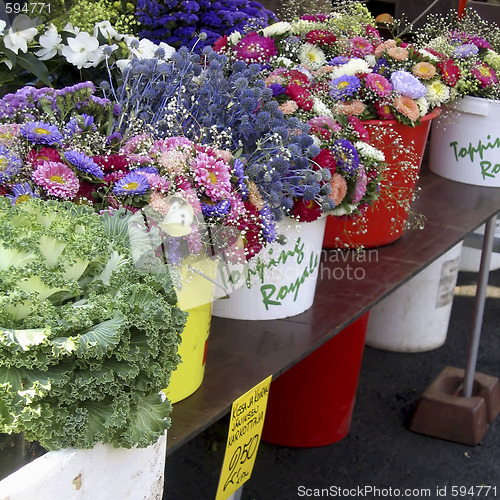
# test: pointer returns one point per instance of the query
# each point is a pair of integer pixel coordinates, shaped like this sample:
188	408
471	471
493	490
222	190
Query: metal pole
482	283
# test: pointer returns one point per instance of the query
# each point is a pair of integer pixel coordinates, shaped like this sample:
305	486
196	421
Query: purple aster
277	89
381	67
84	163
133	183
41	133
337	61
465	50
239	170
268	224
219	209
344	86
346	156
10	165
406	84
22	192
147	170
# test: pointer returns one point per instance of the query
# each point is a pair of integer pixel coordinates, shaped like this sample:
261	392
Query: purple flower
219	209
381	67
41	133
22	192
268	224
346	156
239	170
133	183
10	165
339	60
465	50
84	163
406	84
344	86
277	89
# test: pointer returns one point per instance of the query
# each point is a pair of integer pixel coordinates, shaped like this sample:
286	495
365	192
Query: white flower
428	54
71	29
7	61
437	93
234	37
368	151
371	60
107	31
320	108
169	50
351	68
20	34
123	64
50	42
423	105
284	61
145	50
311	56
275	29
2	26
83	51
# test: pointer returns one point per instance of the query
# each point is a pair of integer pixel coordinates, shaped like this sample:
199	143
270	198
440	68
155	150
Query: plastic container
311	404
465	142
384	222
416	316
280	281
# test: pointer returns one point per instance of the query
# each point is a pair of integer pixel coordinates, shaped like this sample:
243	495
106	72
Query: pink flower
159	203
173	160
289	107
361	183
8	133
355	107
424	70
135	149
379	49
254	48
157	182
485	74
57	179
407	107
339	188
361	47
379	84
398	53
359	128
384	111
212	175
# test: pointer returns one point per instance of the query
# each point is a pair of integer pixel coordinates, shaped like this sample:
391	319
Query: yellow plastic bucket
195	298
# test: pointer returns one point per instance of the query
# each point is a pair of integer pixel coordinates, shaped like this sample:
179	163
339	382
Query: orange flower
339	188
398	53
407	107
424	70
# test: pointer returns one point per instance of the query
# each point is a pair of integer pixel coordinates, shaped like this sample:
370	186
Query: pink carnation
361	183
289	107
379	84
57	179
339	188
379	49
398	53
355	107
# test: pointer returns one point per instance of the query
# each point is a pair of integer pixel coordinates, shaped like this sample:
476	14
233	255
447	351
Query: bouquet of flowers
467	50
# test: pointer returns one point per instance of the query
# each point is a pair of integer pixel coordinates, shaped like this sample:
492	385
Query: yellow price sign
245	429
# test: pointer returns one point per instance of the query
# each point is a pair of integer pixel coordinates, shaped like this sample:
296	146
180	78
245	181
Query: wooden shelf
243	353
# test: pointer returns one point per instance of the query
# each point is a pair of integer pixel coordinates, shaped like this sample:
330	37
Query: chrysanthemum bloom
158	202
464	51
379	49
485	74
301	96
157	182
44	154
84	163
311	56
379	84
137	149
359	128
437	93
132	184
344	87
57	179
355	107
8	133
398	53
10	165
41	133
449	71
339	188
406	84
407	107
22	192
321	37
361	47
220	45
355	66
326	159
346	156
298	78
384	111
212	175
173	160
424	70
254	48
360	187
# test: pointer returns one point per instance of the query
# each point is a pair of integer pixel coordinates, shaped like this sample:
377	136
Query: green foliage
88	337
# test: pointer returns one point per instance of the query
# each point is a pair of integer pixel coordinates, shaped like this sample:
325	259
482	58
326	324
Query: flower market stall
170	170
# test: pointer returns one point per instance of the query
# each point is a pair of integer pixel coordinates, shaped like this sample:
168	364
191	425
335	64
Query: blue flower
10	165
344	86
381	67
465	50
406	84
132	184
41	133
84	163
219	209
22	192
268	224
339	60
346	156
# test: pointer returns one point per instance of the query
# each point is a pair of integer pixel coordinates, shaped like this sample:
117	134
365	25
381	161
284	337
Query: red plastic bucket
311	404
385	220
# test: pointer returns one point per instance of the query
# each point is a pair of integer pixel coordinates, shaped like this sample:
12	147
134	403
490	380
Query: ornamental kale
180	22
89	327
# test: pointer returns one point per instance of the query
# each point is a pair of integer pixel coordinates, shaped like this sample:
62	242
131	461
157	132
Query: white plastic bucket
415	317
465	142
100	473
279	282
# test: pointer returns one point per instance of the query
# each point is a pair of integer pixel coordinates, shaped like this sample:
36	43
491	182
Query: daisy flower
22	192
407	107
353	67
212	175
449	71
344	87
485	75
311	56
379	84
57	179
41	133
437	93
424	70
132	184
361	47
10	165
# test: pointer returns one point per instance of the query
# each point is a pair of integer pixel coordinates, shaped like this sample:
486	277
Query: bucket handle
474	107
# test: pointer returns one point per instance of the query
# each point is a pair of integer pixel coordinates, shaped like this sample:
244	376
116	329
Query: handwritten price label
245	429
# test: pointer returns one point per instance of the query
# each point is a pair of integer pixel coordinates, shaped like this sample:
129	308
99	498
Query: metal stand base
444	413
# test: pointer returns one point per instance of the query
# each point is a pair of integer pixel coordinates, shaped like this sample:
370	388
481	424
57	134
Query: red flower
298	78
301	96
253	48
44	154
359	128
326	159
306	211
320	37
450	71
113	163
220	45
322	87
